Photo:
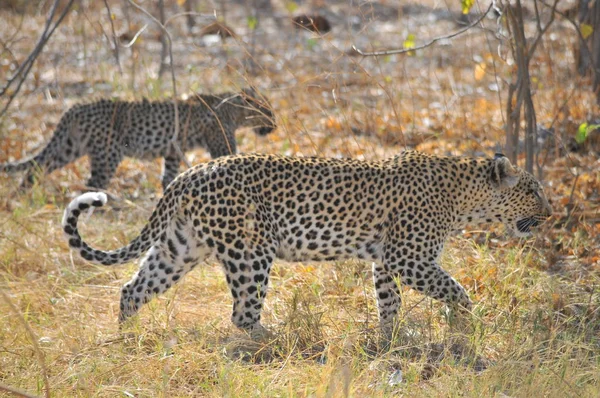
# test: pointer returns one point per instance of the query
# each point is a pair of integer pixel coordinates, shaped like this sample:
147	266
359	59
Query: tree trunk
164	50
520	93
588	50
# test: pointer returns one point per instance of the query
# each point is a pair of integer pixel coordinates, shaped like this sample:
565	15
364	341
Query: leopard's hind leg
247	265
104	164
165	264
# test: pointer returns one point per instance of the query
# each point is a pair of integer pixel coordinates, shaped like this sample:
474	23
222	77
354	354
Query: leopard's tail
59	151
166	208
52	156
18	166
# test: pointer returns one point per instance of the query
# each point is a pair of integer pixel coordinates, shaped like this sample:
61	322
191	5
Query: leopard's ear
250	93
503	174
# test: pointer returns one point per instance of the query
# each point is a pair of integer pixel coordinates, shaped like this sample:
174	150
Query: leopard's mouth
524	225
264	130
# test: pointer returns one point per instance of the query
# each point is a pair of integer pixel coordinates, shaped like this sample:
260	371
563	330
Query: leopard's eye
536	194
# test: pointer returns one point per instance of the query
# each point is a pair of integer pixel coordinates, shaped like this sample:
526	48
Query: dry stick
135	37
588	53
541	31
174	83
34	342
114	36
570	207
429	43
7	49
26	66
9	41
199	97
31	56
16	392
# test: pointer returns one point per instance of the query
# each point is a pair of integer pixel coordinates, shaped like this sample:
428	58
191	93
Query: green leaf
583	131
466	5
586	30
410	41
252	22
291	6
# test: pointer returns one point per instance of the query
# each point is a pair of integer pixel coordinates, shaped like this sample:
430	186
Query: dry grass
536	322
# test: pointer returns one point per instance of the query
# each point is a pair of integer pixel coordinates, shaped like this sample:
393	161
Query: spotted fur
247	210
108	131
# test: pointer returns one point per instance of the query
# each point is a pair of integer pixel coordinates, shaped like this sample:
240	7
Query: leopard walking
109	130
247	210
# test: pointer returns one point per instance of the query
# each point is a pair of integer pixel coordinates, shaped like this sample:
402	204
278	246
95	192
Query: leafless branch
114	36
429	43
6	43
16	392
135	37
575	25
33	54
173	81
7	49
26	66
541	31
188	14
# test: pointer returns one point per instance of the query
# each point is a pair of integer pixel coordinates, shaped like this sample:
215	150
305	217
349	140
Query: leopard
107	131
247	210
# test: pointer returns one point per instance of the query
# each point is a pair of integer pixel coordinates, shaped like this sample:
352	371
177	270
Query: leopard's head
259	113
518	199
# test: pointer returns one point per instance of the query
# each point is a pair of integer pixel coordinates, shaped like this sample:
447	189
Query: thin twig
114	36
33	54
188	14
429	43
135	37
16	392
541	31
570	206
173	81
9	41
582	40
33	339
26	66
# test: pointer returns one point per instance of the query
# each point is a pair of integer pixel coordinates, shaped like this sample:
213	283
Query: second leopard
108	131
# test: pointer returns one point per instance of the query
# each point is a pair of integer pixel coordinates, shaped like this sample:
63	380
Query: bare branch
173	81
582	40
114	36
16	392
6	43
26	66
135	37
541	31
189	14
429	43
33	54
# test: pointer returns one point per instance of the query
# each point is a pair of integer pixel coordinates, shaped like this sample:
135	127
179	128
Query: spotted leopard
247	210
109	130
